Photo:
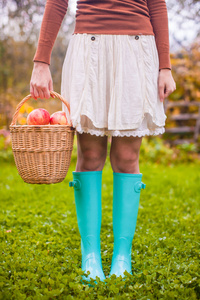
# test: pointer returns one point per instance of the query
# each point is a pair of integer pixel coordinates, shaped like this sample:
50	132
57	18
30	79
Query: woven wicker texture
42	153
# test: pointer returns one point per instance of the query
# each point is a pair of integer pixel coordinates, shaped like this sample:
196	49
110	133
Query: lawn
40	243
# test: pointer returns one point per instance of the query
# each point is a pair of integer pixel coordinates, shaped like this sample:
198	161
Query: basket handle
52	93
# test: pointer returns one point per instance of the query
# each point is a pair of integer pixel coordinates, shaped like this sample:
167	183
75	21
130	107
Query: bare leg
124	154
92	151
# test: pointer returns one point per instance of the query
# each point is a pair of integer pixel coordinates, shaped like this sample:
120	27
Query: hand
41	82
166	84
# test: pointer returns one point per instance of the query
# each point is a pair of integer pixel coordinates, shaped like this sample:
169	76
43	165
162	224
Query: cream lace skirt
111	83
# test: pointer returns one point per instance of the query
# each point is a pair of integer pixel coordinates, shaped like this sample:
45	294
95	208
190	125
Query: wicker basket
42	153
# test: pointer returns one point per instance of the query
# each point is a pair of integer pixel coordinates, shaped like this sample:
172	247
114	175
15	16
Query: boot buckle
75	183
138	186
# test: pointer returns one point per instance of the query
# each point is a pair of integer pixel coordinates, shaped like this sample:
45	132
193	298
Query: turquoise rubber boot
126	196
87	192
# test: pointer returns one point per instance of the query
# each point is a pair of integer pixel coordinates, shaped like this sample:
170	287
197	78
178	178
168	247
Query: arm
54	13
41	81
159	21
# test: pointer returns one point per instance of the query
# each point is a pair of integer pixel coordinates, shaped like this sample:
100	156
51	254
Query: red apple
39	116
58	118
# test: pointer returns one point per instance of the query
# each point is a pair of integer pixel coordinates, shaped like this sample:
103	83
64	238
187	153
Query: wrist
40	64
165	70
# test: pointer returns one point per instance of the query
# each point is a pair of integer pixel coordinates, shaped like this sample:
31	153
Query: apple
59	118
39	116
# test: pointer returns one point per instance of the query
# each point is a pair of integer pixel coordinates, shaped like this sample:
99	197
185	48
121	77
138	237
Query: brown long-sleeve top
147	17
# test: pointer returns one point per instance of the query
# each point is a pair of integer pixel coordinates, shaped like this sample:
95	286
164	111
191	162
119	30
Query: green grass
40	255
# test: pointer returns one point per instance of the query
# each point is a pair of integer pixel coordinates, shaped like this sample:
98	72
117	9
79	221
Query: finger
35	92
166	95
46	93
161	92
167	92
51	87
31	91
40	92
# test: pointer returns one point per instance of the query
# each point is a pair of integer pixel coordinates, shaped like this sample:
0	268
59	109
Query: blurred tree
25	18
191	6
184	18
186	73
15	68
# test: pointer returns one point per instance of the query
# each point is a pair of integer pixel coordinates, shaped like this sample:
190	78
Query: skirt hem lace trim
120	133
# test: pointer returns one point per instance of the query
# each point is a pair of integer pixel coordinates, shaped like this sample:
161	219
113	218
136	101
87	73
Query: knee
125	161
92	159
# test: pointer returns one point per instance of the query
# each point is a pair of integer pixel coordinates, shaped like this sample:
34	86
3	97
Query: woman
116	75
